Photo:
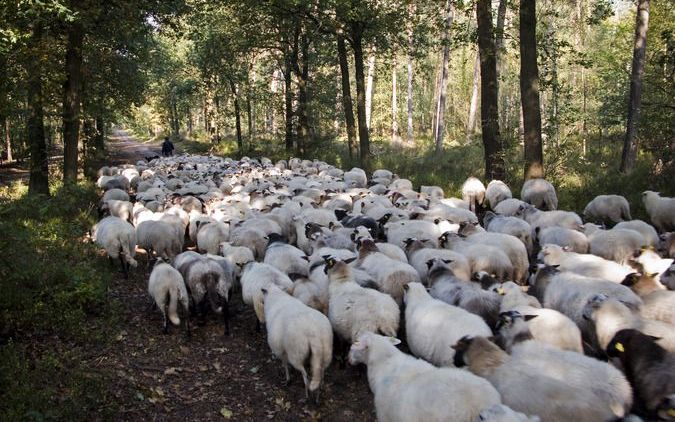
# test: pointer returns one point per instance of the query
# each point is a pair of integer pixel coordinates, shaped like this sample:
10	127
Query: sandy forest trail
209	377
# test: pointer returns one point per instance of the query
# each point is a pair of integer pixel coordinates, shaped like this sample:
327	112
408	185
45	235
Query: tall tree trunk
473	104
346	95
364	139
237	116
529	91
395	135
494	154
630	143
409	98
369	86
440	104
302	72
499	44
39	166
71	101
8	139
249	115
288	97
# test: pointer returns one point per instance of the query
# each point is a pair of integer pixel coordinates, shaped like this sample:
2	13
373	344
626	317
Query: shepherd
167	147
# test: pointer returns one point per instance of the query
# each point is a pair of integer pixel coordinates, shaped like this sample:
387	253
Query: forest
579	92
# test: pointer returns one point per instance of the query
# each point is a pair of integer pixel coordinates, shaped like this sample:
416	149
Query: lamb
473	192
658	303
574	240
607	209
467	295
167	288
433	326
539	193
510	225
255	277
525	389
583	264
661	210
607	383
118	238
287	258
158	237
410	389
649	368
353	310
496	192
211	235
481	257
615	245
546	325
651	238
609	316
390	275
299	335
419	254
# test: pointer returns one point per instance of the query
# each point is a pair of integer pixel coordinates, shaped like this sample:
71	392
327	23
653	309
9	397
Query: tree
494	153
346	94
442	84
38	182
630	142
71	96
529	91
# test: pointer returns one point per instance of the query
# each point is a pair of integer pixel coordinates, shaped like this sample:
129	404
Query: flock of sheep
511	309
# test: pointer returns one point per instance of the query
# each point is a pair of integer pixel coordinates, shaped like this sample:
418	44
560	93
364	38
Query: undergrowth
53	309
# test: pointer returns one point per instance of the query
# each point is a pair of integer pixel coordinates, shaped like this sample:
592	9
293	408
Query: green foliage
53	292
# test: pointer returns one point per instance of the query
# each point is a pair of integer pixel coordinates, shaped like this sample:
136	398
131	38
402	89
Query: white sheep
657	302
158	237
615	245
511	246
502	413
299	336
390	275
398	231
482	257
355	178
539	193
433	326
117	208
167	288
410	389
583	264
607	209
648	232
509	207
473	192
510	225
661	210
650	262
287	258
238	256
211	235
256	276
542	219
115	194
574	240
496	192
419	254
118	238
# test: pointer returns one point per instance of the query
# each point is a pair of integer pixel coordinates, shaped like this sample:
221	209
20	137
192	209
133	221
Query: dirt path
209	377
123	148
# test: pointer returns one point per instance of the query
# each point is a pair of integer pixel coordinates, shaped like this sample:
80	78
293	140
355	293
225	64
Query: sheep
287	258
539	193
669	244
117	208
432	192
661	210
355	178
419	254
542	219
496	192
511	246
657	303
651	238
299	336
250	237
390	275
568	294
467	295
256	276
238	256
546	325
115	194
607	383
118	238
508	207
481	257
432	326
167	288
616	244
158	237
510	225
211	235
525	389
353	310
583	264
574	240
609	315
668	278
310	293
501	413
398	231
647	260
607	209
410	389
473	192
649	368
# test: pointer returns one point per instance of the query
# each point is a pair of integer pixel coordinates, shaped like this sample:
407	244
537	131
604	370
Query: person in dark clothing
167	147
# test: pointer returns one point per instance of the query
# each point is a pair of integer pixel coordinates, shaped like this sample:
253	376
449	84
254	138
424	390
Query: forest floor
210	376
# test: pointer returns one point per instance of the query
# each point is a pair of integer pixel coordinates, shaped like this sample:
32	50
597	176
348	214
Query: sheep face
592	306
360	350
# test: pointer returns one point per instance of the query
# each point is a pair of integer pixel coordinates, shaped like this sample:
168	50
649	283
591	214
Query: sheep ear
350	260
264	291
394	341
655	338
529	317
653	275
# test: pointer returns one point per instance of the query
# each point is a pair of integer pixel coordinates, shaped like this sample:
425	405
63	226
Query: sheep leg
110	260
226	317
188	333
305	380
201	312
257	325
287	375
124	268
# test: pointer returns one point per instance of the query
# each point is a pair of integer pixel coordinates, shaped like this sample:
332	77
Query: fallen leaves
225	412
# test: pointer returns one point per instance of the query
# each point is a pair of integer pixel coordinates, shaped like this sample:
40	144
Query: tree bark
409	99
440	105
8	139
369	87
237	116
303	98
346	95
364	139
395	135
529	91
71	101
494	154
473	105
39	166
288	97
630	143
